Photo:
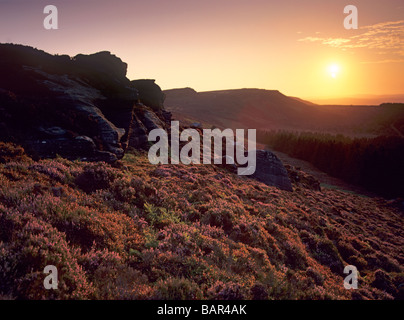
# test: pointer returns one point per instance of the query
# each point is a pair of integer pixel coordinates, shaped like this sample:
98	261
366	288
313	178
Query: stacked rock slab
79	108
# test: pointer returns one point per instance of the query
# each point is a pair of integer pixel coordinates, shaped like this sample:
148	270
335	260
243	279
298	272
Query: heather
133	230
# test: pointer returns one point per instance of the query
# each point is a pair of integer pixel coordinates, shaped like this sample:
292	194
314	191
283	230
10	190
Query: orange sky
226	44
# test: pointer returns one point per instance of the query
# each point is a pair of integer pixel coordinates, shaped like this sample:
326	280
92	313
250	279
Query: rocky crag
79	108
84	107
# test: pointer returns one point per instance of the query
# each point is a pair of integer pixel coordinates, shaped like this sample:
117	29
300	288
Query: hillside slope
252	108
138	231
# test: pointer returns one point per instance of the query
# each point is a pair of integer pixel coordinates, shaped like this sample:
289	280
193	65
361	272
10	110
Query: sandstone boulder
82	107
270	170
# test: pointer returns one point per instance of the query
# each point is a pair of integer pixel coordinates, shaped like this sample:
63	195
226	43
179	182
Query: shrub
177	289
295	256
316	276
227	291
384	282
259	292
96	176
37	244
327	254
11	152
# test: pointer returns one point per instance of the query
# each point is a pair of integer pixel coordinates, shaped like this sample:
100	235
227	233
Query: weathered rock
138	134
109	133
270	170
81	107
150	94
72	148
101	63
149	119
53	131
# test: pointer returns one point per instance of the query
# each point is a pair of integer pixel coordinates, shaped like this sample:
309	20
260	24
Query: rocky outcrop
270	170
138	134
85	108
80	108
150	93
150	120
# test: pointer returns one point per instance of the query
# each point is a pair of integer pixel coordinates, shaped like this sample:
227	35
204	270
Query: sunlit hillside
138	231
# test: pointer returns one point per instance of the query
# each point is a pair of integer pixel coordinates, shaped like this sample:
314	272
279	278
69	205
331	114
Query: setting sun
183	151
334	69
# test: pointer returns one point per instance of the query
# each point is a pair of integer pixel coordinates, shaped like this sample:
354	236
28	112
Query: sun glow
334	69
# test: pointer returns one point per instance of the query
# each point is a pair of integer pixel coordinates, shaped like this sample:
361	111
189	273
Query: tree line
376	164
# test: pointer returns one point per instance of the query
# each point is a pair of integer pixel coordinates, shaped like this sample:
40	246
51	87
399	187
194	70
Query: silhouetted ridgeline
374	163
270	109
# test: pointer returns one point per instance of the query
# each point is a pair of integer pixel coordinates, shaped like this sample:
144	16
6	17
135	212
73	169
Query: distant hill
242	108
363	100
272	110
304	101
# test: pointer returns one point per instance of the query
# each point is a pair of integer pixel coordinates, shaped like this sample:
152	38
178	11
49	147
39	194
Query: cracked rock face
150	93
79	108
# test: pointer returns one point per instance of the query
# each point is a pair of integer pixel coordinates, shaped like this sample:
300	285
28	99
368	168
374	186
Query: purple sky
224	44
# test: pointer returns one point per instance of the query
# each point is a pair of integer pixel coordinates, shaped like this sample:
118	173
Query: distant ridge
304	101
363	100
272	110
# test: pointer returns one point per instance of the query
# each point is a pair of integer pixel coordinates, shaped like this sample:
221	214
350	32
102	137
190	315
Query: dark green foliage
374	163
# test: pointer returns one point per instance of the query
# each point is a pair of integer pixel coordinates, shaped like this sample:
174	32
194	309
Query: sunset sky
298	47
